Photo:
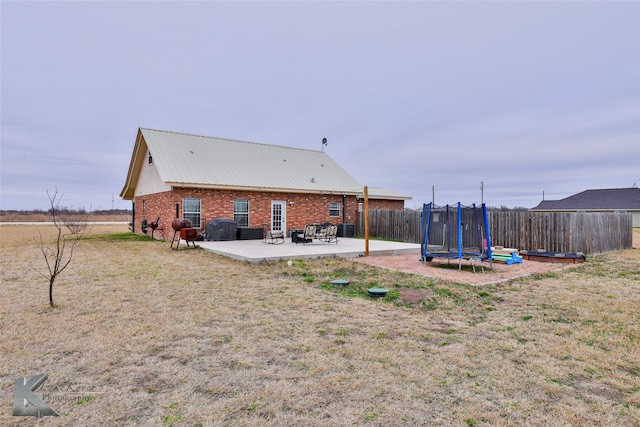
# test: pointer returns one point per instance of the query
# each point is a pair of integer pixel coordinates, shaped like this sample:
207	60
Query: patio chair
274	237
330	234
321	230
308	234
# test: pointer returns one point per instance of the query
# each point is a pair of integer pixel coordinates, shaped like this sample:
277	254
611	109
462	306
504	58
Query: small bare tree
70	228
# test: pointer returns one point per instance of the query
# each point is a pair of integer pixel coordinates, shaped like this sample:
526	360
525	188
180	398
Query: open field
143	335
43	217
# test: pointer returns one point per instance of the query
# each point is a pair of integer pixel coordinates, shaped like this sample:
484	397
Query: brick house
176	175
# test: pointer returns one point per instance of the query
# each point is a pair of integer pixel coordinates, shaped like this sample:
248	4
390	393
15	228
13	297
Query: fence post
366	221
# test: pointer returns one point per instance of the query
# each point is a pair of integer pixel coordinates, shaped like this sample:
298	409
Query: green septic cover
378	291
340	282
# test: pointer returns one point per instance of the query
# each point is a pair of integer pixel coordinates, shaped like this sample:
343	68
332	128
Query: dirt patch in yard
441	269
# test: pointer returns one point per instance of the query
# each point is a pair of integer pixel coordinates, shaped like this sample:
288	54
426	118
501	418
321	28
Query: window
334	209
191	211
241	212
150	158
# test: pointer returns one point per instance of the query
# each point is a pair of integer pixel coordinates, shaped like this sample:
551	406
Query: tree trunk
51	290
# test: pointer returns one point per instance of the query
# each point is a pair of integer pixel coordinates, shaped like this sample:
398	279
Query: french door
279	216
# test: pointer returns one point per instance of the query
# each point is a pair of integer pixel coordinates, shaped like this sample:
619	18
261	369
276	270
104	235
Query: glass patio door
279	216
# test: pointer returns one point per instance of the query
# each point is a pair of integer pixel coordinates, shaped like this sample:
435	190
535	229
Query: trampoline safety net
455	232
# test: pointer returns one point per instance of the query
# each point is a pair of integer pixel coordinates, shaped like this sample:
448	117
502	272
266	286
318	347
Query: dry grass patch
160	337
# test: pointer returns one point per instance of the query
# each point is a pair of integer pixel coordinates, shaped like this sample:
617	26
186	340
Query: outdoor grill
183	228
180	223
219	229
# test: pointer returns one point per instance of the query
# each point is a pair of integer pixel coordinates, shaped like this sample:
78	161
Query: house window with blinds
191	210
334	209
241	212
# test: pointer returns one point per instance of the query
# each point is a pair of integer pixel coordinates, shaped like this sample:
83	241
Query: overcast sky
525	97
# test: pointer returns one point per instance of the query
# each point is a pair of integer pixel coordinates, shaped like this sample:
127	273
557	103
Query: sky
497	102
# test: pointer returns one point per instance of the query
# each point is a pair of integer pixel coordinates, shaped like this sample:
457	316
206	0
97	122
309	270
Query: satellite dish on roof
324	142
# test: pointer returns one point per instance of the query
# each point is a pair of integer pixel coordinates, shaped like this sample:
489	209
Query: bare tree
70	228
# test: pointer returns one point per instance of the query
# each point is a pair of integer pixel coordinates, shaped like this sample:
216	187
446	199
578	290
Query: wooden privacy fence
402	226
589	233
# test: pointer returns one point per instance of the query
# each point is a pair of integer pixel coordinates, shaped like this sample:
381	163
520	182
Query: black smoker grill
187	232
219	229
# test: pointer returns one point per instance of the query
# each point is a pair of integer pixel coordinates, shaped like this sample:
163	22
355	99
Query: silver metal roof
383	193
191	160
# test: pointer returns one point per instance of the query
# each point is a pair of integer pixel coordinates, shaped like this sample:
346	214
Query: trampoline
455	232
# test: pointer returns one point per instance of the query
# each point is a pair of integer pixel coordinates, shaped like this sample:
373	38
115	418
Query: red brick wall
306	208
152	206
397	205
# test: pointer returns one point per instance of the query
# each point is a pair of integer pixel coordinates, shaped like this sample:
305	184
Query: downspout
133	216
344	214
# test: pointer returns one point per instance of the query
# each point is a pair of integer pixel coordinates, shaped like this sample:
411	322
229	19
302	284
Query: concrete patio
257	250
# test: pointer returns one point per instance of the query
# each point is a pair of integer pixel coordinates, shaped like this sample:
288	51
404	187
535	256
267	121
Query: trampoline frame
458	252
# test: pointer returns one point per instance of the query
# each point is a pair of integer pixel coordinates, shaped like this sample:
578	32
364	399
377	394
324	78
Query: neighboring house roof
184	160
383	193
605	199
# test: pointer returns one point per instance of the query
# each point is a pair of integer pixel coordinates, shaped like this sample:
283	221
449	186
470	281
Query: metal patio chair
330	234
308	234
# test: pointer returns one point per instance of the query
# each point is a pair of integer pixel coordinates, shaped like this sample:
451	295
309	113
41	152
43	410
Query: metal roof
602	199
383	193
200	161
